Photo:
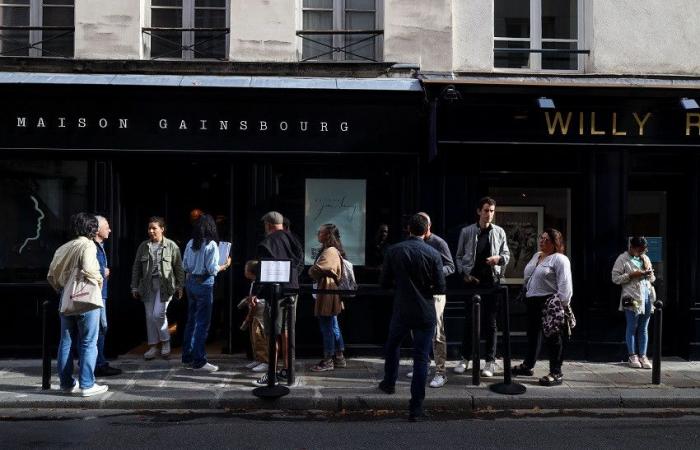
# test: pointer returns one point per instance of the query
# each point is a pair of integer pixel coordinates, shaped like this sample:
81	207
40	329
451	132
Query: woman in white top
632	271
548	273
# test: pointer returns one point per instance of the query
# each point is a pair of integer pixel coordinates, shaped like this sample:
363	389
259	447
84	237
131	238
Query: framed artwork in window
523	226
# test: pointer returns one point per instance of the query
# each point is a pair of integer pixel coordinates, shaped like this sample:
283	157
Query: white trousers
156	317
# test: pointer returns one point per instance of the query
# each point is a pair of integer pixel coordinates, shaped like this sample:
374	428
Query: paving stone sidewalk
164	384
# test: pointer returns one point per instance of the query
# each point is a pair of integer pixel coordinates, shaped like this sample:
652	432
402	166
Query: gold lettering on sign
641	122
581	123
614	126
557	123
595	132
692	120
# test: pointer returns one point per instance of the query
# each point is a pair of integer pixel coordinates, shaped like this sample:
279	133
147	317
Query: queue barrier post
507	387
476	338
658	328
273	389
45	355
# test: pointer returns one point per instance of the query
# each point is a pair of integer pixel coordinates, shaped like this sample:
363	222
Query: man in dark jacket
414	270
281	244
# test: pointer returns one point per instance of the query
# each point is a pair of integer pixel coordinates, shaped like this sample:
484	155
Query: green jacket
172	273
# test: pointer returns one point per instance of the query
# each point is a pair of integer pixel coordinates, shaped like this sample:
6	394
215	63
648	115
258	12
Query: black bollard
658	319
291	344
507	387
273	389
45	355
476	339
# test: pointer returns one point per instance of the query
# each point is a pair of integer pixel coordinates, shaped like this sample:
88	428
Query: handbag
80	295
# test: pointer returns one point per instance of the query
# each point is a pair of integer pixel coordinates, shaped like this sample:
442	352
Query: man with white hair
102	367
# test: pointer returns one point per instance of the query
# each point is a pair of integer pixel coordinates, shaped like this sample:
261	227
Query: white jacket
632	287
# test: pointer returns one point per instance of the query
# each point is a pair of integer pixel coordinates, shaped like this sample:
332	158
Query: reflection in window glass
511	18
37	199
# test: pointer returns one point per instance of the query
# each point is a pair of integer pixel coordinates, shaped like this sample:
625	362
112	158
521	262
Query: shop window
38	28
36	199
524	213
188	29
538	35
342	30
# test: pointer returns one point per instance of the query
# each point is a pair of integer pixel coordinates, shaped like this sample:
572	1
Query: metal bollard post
476	339
291	344
273	389
507	387
46	356
658	319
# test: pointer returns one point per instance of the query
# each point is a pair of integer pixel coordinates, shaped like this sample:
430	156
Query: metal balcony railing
35	47
194	47
340	45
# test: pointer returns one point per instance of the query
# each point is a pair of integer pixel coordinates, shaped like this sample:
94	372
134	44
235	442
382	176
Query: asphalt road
216	429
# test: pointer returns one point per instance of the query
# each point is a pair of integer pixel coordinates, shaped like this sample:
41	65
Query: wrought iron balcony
341	45
195	47
39	41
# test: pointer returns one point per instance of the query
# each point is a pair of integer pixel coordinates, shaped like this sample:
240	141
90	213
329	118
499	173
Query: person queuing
256	319
633	271
281	244
326	272
80	328
414	269
201	264
102	367
440	339
482	255
548	274
156	276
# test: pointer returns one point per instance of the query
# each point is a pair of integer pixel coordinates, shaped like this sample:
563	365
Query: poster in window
341	202
523	226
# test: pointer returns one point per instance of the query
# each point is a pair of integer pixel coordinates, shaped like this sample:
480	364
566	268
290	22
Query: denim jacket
466	249
172	273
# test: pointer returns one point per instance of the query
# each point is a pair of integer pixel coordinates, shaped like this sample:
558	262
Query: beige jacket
80	251
632	287
326	272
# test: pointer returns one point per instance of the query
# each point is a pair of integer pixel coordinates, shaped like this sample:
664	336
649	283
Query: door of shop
173	189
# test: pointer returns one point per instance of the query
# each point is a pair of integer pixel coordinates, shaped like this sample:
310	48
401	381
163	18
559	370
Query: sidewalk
162	384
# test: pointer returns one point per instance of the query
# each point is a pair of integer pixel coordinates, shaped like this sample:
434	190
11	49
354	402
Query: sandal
522	370
553	379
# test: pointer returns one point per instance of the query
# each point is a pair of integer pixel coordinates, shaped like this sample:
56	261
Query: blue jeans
101	360
200	298
637	325
83	330
332	337
422	343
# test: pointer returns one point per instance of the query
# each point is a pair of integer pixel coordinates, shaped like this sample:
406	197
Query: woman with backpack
326	272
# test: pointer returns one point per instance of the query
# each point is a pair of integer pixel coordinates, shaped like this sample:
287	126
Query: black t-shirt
481	270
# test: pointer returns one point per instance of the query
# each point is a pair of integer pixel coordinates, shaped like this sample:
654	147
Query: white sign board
275	271
342	203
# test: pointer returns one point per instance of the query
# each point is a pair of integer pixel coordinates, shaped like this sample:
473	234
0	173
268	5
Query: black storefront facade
603	162
131	147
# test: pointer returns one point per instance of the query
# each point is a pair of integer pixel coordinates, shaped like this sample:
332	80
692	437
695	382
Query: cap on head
273	218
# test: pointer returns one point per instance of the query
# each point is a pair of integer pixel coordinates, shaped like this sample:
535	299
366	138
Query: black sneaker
417	416
385	387
107	371
262	381
282	375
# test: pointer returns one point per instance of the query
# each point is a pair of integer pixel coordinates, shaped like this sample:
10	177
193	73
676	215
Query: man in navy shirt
102	367
414	270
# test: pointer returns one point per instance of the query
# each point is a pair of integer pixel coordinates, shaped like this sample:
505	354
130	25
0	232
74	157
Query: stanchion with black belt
476	339
272	273
658	319
507	387
291	343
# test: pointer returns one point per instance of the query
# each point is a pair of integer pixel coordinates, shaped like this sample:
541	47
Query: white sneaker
462	366
71	390
165	349
409	374
151	353
438	381
644	361
489	369
94	390
634	362
250	365
261	367
207	367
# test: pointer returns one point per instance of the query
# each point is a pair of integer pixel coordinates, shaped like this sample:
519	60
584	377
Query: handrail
541	50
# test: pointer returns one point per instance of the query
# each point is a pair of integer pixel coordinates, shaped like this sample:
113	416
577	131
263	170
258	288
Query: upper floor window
188	29
538	34
342	30
37	28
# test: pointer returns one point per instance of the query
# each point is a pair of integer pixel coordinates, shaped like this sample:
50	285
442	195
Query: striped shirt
551	276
